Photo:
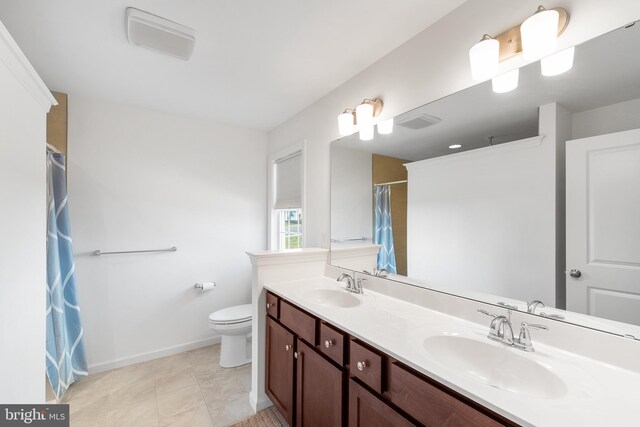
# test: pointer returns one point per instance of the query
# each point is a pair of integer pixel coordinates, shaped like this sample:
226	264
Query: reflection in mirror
528	199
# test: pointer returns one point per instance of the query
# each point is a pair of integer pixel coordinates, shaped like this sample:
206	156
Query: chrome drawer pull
287	347
361	365
328	343
268	306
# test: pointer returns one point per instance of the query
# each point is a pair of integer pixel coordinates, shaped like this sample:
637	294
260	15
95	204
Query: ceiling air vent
159	34
420	121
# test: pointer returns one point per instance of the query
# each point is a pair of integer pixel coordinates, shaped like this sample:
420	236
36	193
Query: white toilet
234	324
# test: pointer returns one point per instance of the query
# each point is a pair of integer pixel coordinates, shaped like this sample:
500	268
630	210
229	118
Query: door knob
575	273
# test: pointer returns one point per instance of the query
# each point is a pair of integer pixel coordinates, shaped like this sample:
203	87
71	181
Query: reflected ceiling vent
420	121
159	34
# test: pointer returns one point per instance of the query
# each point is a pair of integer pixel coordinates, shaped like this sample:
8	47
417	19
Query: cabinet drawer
273	305
301	323
332	343
366	365
429	404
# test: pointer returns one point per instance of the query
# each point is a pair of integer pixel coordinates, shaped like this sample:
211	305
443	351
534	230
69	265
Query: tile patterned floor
185	390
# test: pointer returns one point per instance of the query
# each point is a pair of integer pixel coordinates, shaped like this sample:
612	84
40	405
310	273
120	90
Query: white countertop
597	394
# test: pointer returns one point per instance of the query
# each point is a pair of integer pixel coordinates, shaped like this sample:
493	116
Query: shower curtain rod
390	183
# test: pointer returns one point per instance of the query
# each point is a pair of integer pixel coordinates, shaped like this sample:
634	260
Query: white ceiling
606	71
256	63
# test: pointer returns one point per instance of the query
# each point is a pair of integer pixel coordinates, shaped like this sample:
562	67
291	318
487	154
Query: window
286	186
290	229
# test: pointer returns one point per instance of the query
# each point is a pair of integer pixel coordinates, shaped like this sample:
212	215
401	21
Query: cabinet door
280	365
320	388
366	410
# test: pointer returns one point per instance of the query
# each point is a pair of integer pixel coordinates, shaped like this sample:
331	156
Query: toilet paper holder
205	286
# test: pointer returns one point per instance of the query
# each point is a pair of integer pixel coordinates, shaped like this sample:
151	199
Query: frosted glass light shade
506	82
484	57
345	124
558	63
540	34
385	127
366	132
364	115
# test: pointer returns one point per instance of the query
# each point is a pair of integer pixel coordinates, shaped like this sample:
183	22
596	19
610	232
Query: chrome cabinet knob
268	306
328	343
575	273
295	354
287	347
361	365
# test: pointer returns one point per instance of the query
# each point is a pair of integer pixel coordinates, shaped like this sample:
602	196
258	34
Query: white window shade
289	182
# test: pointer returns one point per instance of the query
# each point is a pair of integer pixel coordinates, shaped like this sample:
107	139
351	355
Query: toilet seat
231	315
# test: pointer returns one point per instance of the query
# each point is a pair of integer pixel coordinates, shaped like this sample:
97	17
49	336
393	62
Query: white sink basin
495	365
332	298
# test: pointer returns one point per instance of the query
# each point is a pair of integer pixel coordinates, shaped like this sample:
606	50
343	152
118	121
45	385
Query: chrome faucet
352	285
531	306
378	273
501	331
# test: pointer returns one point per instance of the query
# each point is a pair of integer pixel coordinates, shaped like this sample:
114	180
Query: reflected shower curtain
384	231
65	358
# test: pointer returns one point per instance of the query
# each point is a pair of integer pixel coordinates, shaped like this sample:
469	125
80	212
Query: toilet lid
235	314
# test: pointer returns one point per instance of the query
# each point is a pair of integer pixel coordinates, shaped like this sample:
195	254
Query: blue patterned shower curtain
384	231
65	358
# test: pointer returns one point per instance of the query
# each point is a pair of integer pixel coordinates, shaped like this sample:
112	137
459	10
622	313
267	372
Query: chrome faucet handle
510	306
359	282
350	281
531	306
524	340
485	312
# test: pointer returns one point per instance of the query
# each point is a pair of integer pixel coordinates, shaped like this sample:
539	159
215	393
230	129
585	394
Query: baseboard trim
143	357
259	405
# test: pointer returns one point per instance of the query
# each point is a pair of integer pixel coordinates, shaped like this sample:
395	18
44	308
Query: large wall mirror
528	199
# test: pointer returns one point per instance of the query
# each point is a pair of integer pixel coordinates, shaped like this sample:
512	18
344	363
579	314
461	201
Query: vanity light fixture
455	146
535	38
506	82
484	57
540	33
385	127
366	132
361	119
558	63
347	122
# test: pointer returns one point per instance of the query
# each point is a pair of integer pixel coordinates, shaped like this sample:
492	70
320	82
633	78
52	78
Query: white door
603	226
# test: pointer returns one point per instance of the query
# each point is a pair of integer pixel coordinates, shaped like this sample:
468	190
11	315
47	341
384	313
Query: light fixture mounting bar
511	41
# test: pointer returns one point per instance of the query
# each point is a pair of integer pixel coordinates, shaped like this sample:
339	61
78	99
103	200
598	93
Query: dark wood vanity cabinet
319	389
279	368
316	375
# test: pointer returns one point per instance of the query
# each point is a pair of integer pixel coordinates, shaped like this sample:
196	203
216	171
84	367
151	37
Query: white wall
23	229
432	65
140	179
351	190
611	118
484	220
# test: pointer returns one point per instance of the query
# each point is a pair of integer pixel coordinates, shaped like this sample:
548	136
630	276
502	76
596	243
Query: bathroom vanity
392	357
317	374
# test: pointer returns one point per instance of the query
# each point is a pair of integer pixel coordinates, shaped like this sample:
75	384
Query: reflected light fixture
361	119
385	127
558	63
366	132
506	82
540	33
455	146
346	122
484	57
